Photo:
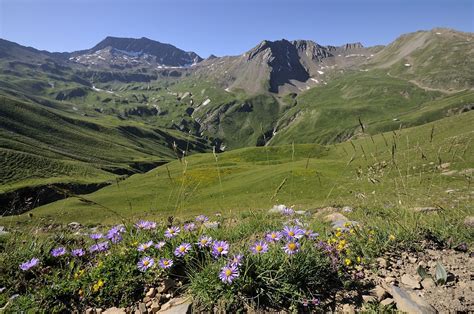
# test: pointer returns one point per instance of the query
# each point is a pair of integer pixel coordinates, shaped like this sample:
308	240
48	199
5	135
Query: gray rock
74	225
166	285
379	292
408	301
410	282
211	225
277	209
151	292
141	308
99	311
115	310
176	306
390	279
348	308
368	298
469	221
347	209
155	306
382	262
428	283
387	301
89	311
301	212
2	231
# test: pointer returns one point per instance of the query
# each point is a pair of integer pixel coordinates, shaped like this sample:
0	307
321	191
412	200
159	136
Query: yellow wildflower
348	262
79	274
359	260
98	285
338	234
391	237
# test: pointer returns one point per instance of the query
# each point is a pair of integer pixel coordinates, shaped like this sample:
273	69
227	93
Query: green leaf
441	274
422	272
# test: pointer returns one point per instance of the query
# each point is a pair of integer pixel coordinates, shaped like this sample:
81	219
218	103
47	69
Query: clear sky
224	27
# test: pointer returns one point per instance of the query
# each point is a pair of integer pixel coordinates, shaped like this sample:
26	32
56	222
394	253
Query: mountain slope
282	66
125	52
440	58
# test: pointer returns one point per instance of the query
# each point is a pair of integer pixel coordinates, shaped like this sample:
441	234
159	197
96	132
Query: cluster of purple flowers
99	247
230	272
59	251
145	225
115	234
29	264
202	218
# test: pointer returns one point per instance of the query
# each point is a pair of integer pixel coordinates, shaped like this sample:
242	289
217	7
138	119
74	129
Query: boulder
176	306
469	221
409	302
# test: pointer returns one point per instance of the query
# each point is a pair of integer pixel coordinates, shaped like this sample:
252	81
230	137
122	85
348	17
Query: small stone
142	308
211	225
89	311
368	298
155	306
428	283
469	221
115	310
146	299
390	279
166	285
382	262
148	304
387	302
410	282
301	212
99	311
348	308
412	259
74	225
347	209
151	292
379	292
445	165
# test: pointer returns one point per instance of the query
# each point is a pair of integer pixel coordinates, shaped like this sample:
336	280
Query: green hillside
405	168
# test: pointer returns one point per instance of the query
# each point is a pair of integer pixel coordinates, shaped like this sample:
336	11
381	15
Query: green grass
40	145
363	173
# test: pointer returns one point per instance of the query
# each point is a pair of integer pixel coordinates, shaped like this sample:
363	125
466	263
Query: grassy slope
360	173
331	113
41	145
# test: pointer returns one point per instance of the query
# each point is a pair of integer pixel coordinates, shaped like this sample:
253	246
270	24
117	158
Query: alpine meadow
295	177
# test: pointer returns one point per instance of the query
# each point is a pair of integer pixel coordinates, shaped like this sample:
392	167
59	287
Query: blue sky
224	27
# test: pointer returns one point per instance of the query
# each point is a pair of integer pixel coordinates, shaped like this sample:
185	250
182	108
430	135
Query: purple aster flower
78	252
165	263
189	227
220	248
145	225
229	273
160	245
310	234
259	247
204	241
291	247
58	251
96	236
288	211
202	219
144	246
29	264
273	236
182	249
103	246
293	232
172	232
114	234
237	260
145	263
